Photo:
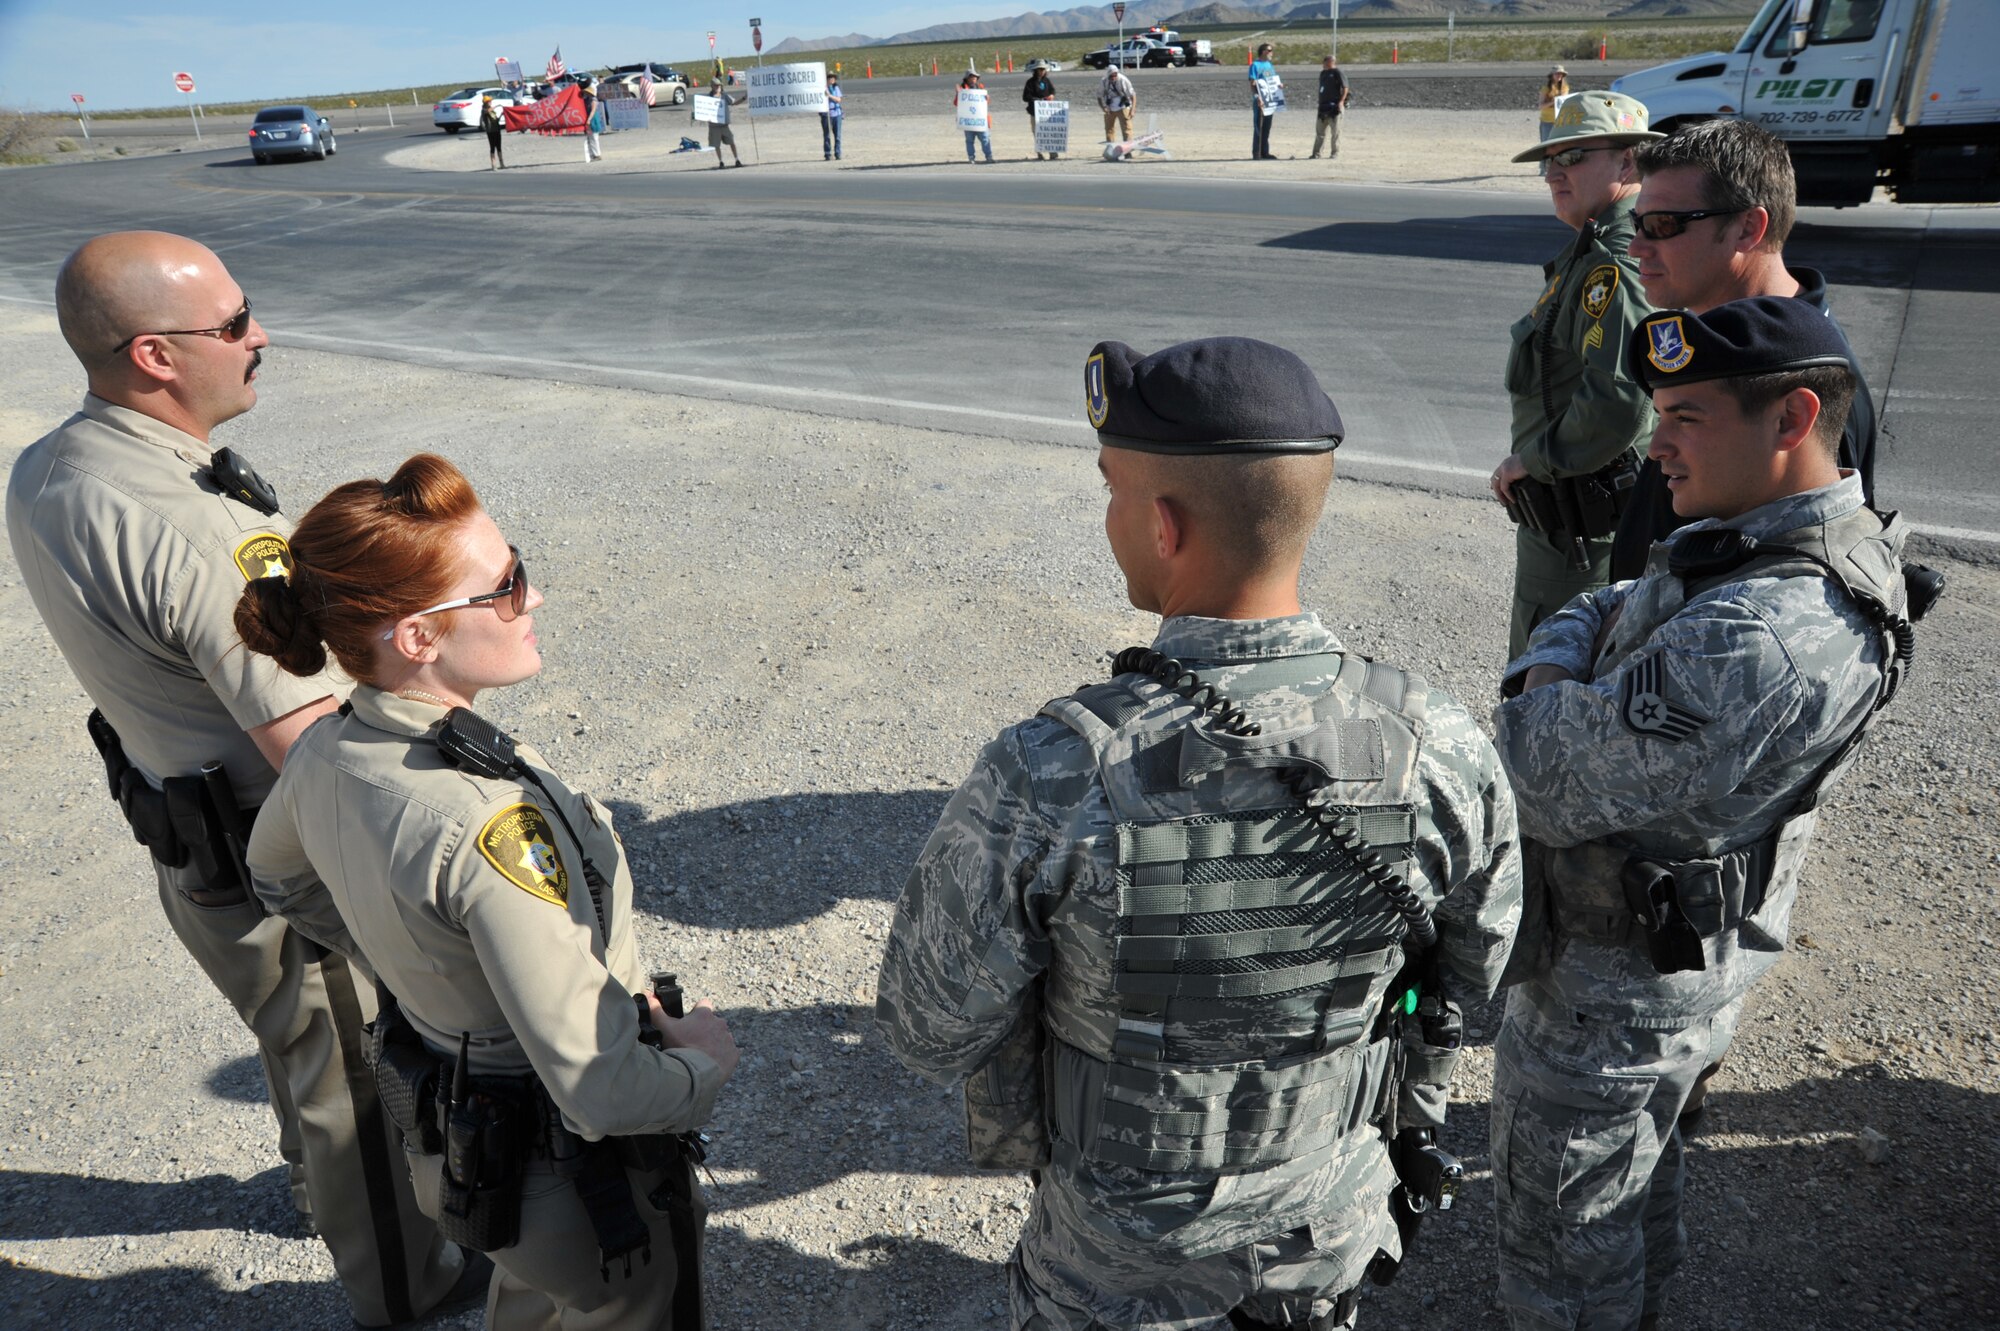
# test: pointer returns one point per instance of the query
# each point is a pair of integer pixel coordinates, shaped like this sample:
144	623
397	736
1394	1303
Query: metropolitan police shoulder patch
1644	709
518	842
1096	400
264	555
1598	289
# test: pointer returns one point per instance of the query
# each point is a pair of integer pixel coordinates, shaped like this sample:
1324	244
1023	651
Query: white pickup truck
1904	94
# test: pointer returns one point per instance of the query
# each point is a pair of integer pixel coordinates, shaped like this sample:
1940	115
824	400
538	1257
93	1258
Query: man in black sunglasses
1580	423
1716	203
135	538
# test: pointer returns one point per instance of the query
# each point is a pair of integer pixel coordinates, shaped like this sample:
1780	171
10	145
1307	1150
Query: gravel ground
773	643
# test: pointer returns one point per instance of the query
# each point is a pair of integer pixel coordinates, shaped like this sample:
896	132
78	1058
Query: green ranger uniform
136	559
1576	410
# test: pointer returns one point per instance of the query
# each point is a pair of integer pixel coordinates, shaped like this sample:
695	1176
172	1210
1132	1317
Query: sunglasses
235	330
1569	157
509	600
1664	224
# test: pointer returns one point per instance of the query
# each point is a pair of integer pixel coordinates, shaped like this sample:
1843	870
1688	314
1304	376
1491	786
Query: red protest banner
561	113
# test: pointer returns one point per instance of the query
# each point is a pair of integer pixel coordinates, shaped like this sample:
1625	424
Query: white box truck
1904	94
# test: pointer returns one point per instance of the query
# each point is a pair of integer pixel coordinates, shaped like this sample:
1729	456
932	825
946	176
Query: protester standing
491	121
1332	101
829	119
982	137
1039	88
1117	97
1260	115
1554	89
593	151
719	132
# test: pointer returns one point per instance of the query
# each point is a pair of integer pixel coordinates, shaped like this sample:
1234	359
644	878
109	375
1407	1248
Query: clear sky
119	53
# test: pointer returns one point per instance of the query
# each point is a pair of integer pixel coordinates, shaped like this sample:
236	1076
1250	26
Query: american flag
646	89
556	66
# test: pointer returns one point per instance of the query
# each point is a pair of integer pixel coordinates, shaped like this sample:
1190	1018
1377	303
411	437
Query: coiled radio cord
1227	717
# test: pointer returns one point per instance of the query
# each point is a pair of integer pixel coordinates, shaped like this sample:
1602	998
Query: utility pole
1334	7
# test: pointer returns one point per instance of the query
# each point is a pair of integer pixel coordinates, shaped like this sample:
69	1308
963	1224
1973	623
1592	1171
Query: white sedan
460	110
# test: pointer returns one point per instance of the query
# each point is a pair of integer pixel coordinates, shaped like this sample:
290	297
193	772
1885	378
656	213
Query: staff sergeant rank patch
264	555
1645	709
517	841
1598	289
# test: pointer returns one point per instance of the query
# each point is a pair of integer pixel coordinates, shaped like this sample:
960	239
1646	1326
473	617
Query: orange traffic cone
1010	62
1604	47
933	67
1395	53
871	70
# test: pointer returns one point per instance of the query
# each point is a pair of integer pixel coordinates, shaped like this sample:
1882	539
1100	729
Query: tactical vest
1226	1022
1751	889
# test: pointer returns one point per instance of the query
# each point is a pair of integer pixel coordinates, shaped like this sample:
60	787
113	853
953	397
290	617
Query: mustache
256	359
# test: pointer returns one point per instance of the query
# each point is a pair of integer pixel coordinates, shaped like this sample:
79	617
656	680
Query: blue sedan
290	131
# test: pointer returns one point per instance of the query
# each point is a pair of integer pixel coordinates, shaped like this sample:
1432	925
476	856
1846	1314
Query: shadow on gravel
900	1284
162	1296
821	1098
1772	1213
769	863
56	1206
1491	238
241	1080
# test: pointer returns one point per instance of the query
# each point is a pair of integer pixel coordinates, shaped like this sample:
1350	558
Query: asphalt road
967	300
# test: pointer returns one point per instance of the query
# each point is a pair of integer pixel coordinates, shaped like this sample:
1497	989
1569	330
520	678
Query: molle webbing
1196	1120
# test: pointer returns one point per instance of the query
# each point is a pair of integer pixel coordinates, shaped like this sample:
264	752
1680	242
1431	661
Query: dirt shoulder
774	642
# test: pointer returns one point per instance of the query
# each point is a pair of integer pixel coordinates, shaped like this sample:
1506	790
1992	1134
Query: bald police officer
1669	745
1579	420
1166	978
135	538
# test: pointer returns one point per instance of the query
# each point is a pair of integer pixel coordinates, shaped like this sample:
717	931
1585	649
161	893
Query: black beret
1761	335
1215	395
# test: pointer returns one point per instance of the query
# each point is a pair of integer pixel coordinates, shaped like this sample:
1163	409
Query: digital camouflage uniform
470	902
1176	1193
1687	740
1576	408
136	560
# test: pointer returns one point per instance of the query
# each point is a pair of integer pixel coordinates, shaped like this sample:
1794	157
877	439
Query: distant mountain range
1178	13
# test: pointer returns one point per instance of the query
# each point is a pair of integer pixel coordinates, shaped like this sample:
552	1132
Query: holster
407	1077
1673	940
185	820
486	1139
144	807
1572	510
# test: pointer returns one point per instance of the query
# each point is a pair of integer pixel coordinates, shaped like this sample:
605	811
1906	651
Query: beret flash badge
264	555
1095	400
517	841
1646	711
1668	350
1598	289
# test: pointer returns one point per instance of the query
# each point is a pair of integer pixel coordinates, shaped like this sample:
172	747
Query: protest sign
972	108
507	71
786	90
1051	127
710	110
624	113
1273	93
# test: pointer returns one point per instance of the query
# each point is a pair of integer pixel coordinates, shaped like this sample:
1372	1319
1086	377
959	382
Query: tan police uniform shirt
467	898
136	560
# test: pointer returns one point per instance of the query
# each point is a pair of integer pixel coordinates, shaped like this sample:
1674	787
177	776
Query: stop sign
184	81
757	38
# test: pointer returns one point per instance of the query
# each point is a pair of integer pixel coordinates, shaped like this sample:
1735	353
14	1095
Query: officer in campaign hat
1669	740
1160	925
1579	422
135	536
